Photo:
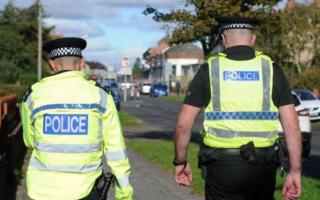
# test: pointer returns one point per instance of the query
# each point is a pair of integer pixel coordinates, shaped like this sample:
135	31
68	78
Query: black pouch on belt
104	183
206	155
248	152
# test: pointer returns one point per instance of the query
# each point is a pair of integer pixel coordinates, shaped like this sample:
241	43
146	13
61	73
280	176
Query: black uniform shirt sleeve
198	94
281	93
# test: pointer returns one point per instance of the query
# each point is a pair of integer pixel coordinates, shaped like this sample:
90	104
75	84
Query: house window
174	68
185	70
195	68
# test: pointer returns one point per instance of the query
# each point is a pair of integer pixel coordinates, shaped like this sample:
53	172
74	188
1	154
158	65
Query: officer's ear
223	39
253	39
53	65
82	62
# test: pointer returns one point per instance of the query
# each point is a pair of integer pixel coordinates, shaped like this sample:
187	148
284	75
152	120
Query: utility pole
39	40
125	89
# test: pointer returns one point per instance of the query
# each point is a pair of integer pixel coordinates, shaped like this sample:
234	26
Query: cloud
113	56
98	46
79	28
139	3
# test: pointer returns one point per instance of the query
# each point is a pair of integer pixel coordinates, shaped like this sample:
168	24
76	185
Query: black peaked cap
69	46
236	22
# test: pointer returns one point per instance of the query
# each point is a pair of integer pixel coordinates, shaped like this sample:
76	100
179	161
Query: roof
162	45
96	65
187	50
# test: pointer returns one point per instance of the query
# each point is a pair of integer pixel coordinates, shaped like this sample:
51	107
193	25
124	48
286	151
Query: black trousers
94	195
232	178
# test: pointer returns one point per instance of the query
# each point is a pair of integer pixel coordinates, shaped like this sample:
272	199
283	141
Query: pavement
151	182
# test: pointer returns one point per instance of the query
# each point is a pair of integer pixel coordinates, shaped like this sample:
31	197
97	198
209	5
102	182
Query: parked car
304	123
115	92
158	89
311	102
126	85
145	88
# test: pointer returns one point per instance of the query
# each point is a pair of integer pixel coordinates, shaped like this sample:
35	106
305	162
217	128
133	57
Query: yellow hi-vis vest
241	107
69	123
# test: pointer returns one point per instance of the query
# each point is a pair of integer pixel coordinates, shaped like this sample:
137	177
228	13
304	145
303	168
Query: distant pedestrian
178	87
137	91
132	92
69	124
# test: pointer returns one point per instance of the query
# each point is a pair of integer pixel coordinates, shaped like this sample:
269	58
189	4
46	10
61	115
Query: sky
113	28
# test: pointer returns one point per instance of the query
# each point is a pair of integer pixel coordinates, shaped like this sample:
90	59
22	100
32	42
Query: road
162	115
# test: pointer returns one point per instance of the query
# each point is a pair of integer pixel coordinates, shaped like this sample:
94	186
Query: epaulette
105	89
213	56
27	94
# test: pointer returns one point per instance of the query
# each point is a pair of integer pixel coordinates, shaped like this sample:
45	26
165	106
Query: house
169	64
182	63
99	71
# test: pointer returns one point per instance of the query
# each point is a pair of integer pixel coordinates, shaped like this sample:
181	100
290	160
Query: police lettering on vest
241	76
65	124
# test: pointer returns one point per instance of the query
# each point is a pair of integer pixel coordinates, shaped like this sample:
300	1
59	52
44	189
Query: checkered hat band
65	51
237	26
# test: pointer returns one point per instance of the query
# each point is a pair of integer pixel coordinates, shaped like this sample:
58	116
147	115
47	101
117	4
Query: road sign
124	62
125	69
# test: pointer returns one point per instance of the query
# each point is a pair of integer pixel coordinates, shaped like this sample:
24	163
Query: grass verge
161	152
177	98
127	119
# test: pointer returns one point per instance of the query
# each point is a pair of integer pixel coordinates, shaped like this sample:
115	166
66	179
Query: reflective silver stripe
67	148
103	103
103	98
233	134
124	181
29	103
80	169
117	155
215	82
266	84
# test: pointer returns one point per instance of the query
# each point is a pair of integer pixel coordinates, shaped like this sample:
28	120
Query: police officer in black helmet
244	95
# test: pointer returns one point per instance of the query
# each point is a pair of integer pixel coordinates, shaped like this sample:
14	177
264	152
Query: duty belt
228	151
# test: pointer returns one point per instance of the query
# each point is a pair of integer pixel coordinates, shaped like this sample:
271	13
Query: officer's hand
183	174
292	186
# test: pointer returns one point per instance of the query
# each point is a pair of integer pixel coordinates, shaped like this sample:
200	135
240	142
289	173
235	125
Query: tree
137	63
137	68
18	44
300	36
195	21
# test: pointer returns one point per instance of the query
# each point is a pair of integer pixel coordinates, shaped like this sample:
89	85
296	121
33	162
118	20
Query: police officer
70	123
242	92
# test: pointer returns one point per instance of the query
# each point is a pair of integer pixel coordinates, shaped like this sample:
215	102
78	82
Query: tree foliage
19	41
137	68
300	36
195	20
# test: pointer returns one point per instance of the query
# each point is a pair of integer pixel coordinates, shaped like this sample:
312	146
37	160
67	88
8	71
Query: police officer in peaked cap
244	95
70	123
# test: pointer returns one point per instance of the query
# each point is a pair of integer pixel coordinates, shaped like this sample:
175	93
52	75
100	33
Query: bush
27	79
308	79
6	89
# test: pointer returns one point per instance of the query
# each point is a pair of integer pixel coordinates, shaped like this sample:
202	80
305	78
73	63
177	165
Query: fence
11	143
